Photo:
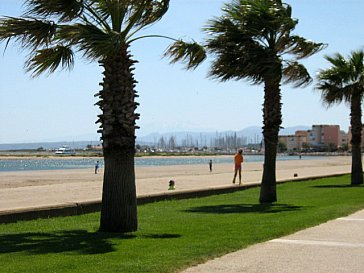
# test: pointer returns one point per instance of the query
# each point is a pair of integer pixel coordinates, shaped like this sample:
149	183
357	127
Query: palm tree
102	30
253	40
344	82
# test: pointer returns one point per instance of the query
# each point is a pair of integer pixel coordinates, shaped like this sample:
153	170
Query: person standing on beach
238	159
210	165
97	166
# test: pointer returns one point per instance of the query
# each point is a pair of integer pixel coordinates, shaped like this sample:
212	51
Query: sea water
36	164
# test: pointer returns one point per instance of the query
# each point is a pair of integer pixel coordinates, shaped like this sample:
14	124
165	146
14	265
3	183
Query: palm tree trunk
119	212
272	119
356	128
119	207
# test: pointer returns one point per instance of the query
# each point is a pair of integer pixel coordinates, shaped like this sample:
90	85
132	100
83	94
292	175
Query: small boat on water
65	150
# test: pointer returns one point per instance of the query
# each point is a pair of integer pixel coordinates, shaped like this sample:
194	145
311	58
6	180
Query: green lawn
174	234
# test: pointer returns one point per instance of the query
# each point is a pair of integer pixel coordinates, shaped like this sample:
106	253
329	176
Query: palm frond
115	12
238	54
302	48
260	18
249	61
92	41
103	7
224	33
192	54
49	59
339	73
101	28
29	32
337	60
153	11
357	65
343	81
297	74
332	94
142	13
65	10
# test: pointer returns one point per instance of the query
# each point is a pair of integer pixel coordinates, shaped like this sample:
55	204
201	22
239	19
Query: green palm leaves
192	54
344	80
96	28
31	33
65	10
49	59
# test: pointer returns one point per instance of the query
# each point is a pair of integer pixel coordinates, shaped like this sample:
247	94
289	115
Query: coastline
92	156
31	189
35	163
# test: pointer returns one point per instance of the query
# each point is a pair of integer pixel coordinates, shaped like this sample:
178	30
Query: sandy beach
34	189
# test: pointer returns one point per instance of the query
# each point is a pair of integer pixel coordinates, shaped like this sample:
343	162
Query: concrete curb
70	209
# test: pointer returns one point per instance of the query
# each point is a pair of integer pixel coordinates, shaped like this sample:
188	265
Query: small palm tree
102	30
344	82
253	40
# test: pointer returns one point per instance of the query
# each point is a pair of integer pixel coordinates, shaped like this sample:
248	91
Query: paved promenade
333	247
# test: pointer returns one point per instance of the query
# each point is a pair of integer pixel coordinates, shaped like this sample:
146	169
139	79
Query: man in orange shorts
238	159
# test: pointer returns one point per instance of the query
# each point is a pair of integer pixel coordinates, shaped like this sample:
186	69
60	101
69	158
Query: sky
61	106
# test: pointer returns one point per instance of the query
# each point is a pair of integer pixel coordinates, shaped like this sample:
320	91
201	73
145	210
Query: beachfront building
295	142
319	138
324	136
289	142
302	139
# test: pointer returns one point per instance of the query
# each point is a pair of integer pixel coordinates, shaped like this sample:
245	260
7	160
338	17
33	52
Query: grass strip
174	234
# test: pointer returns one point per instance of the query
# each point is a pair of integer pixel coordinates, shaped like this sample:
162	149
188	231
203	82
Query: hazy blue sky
171	99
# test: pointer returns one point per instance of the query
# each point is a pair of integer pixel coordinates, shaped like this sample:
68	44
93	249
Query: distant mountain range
251	134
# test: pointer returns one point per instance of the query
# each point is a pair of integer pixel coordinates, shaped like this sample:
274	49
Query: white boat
65	150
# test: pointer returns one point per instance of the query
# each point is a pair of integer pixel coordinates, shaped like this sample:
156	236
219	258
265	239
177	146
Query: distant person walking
210	165
97	167
238	159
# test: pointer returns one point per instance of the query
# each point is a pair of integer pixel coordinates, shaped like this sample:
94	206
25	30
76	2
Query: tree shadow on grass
80	241
337	186
162	236
244	208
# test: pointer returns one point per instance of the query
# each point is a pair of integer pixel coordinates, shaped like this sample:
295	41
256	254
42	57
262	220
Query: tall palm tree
344	82
253	40
102	30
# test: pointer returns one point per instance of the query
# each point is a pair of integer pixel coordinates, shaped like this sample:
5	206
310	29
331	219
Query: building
290	142
324	136
295	142
320	137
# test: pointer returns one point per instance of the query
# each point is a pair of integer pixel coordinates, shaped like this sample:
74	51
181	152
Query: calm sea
35	164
